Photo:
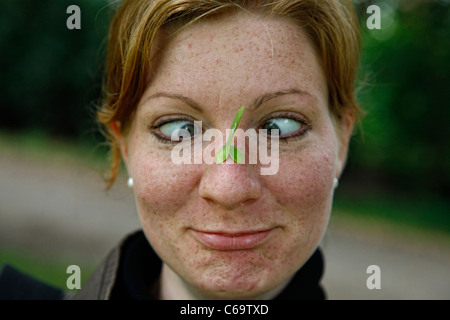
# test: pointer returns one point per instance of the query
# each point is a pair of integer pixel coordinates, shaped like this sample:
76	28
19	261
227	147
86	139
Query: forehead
240	51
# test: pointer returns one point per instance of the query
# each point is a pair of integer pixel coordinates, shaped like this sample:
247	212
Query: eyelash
163	140
295	136
159	123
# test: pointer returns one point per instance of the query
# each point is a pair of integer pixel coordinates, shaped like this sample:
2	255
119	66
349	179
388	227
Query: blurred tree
406	93
50	74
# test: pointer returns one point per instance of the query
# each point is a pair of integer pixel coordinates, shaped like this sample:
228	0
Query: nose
230	184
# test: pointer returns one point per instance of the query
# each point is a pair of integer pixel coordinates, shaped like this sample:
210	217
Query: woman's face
225	230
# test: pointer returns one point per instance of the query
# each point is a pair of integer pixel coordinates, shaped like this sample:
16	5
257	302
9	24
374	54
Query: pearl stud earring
335	183
130	183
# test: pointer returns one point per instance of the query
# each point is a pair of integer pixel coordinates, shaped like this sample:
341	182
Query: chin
245	283
242	290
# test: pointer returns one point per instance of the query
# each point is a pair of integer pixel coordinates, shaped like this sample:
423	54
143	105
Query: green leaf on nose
223	153
236	155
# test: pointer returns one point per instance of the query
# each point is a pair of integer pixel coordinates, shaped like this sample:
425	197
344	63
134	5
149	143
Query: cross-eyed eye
286	126
178	130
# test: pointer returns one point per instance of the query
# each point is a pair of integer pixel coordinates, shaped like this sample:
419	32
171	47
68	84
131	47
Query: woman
224	231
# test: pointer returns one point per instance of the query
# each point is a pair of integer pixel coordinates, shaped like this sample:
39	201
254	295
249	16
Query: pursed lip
229	241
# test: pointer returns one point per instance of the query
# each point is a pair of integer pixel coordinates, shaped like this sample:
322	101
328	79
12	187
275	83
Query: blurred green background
398	168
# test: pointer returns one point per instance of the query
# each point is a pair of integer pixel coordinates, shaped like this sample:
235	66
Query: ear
121	140
344	132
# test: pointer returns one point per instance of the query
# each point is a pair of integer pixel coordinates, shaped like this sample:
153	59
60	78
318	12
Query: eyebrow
255	105
184	99
268	96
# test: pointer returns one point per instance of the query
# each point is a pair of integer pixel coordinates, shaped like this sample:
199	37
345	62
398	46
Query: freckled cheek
303	182
303	187
162	185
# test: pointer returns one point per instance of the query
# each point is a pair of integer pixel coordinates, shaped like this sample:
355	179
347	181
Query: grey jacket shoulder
100	284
